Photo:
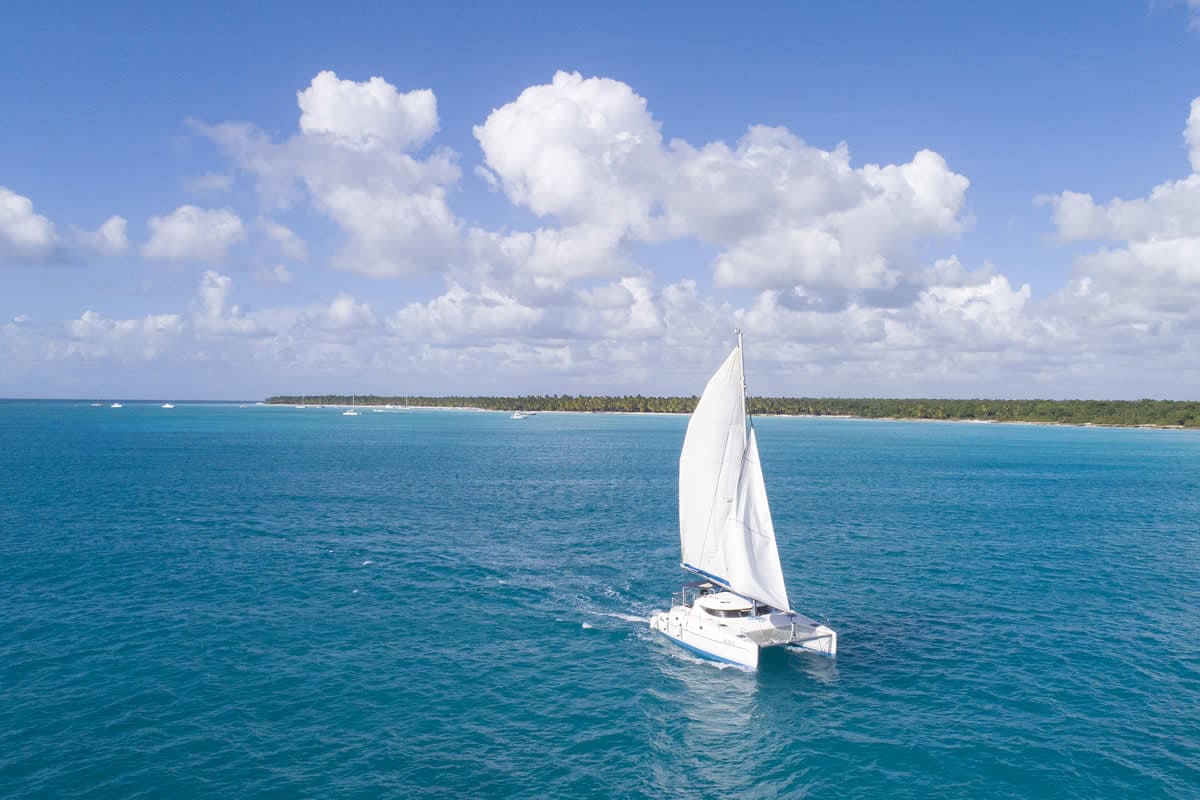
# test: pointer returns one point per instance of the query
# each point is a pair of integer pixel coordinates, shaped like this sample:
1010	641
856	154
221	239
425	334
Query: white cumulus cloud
368	114
460	315
194	234
832	262
351	162
589	154
1145	284
25	236
580	150
788	214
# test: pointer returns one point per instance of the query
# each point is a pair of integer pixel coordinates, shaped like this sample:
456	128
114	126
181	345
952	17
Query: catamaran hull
739	644
720	648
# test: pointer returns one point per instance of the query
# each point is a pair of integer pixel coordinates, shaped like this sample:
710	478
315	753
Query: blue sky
107	111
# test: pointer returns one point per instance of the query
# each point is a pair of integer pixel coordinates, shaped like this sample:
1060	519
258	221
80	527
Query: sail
751	555
708	469
725	527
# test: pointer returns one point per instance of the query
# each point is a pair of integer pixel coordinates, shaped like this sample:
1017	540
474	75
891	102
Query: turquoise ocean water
228	602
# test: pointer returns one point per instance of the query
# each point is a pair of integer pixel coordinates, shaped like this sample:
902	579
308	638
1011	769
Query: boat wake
626	617
679	655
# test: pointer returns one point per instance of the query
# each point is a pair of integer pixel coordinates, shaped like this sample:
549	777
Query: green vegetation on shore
1162	413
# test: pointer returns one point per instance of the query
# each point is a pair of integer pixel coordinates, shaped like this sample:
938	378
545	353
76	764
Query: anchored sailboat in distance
728	539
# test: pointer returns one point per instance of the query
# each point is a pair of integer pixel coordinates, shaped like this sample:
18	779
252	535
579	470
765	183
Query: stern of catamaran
792	629
822	639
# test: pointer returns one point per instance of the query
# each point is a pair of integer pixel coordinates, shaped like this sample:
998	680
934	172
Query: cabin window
729	612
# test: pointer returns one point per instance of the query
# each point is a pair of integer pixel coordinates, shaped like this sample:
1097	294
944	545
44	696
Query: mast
742	360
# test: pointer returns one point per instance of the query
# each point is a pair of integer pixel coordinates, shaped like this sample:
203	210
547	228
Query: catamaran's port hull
720	647
739	643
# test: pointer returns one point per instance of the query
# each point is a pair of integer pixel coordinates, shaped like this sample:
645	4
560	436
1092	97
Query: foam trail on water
625	617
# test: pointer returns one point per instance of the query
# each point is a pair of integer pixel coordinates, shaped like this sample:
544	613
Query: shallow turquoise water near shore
217	601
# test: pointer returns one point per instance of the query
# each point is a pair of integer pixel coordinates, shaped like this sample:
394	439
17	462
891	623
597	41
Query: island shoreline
1188	411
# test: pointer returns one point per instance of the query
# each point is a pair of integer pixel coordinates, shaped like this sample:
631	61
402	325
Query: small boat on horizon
116	405
727	539
168	405
521	415
350	412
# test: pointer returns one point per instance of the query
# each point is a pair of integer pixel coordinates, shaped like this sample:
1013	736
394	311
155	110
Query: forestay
725	527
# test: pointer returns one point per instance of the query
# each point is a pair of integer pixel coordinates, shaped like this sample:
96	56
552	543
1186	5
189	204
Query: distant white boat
301	403
350	412
260	404
520	415
167	405
740	605
116	405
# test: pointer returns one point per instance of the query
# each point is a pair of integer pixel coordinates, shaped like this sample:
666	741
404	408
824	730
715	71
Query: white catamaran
728	539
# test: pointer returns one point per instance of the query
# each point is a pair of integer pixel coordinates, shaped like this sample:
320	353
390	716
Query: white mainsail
725	527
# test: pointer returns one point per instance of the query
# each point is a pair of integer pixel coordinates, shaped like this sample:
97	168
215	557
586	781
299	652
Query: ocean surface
215	601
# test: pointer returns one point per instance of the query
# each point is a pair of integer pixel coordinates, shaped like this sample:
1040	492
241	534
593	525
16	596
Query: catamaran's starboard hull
738	642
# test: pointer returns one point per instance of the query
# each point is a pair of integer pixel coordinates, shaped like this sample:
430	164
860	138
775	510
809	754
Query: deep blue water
226	602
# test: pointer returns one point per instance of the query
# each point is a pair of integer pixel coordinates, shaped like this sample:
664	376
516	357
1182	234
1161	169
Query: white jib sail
750	552
725	527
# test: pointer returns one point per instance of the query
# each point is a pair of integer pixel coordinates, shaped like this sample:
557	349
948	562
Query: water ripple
235	602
